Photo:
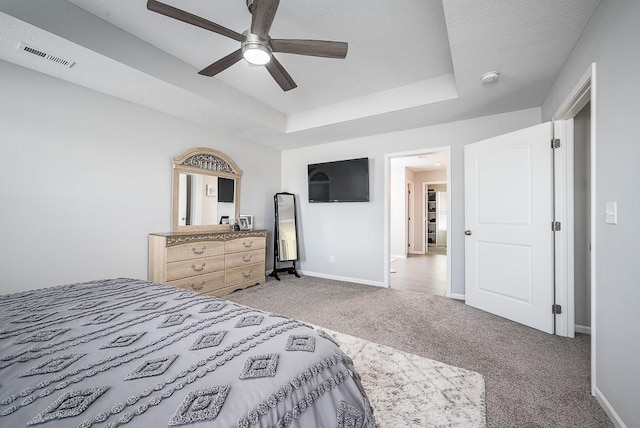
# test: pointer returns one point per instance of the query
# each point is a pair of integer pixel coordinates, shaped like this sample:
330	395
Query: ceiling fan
256	47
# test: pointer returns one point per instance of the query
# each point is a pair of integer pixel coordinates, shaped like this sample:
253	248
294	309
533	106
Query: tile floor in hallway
425	273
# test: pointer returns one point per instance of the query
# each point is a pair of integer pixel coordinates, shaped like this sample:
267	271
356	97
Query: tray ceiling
409	66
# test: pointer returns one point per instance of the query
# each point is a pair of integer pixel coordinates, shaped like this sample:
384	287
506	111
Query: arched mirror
286	235
206	191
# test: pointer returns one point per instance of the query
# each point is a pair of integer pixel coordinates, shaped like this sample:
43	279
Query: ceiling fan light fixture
256	55
256	44
255	51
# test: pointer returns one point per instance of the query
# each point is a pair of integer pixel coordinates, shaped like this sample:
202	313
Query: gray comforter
133	353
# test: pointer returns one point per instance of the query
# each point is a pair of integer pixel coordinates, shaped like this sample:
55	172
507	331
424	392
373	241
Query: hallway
424	273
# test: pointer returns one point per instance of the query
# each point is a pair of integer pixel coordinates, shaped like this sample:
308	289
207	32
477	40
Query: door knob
467	232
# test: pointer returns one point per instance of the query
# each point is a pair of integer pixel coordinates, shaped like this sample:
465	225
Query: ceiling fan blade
280	75
189	18
263	13
321	48
222	64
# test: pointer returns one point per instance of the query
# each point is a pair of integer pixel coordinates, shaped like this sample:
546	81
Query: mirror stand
285	241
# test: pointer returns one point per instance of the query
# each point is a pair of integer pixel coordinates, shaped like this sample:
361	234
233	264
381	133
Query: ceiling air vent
30	49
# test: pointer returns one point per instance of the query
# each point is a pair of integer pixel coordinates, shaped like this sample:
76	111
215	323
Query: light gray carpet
532	379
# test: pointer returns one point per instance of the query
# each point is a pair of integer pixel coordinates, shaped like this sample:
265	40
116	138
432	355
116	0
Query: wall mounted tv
339	181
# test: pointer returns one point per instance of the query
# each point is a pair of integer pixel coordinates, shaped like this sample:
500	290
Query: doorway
435	217
579	105
414	264
582	220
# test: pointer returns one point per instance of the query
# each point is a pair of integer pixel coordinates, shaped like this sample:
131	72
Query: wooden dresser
214	263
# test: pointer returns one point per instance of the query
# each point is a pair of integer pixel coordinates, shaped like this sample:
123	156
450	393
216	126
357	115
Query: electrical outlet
332	259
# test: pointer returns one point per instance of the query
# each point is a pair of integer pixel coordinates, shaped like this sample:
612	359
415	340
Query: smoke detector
490	77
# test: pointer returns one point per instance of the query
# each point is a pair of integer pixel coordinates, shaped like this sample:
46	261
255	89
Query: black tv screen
225	189
340	181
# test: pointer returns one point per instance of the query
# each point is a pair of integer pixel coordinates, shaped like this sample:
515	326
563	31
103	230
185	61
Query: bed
126	352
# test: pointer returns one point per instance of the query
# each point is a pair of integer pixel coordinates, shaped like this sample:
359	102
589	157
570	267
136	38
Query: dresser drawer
193	267
244	259
208	283
245	244
195	249
250	273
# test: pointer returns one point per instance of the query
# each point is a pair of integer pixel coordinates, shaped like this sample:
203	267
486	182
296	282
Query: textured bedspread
138	354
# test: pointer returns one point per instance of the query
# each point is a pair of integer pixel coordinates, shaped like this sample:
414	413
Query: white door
508	214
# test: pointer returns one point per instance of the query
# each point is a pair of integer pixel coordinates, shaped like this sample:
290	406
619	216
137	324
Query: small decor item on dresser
243	223
249	218
224	219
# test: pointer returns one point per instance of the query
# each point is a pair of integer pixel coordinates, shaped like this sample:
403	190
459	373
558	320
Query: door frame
410	226
387	209
582	93
425	185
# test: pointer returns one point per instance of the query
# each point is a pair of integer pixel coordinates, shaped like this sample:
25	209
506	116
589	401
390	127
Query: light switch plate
611	213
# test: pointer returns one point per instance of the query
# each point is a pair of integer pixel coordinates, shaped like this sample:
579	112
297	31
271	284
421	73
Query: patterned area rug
406	390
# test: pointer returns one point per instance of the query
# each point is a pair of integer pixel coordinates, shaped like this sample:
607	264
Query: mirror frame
277	240
205	161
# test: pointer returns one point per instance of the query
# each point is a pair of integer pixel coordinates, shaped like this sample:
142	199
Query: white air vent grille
30	49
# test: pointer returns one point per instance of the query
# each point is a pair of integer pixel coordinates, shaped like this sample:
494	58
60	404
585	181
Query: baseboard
342	278
608	408
398	256
456	296
582	329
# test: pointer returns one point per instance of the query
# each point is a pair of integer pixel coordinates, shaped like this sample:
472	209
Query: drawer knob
247	244
199	251
247	258
198	269
247	274
197	287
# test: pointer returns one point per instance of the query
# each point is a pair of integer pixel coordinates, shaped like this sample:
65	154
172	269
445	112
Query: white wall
611	40
85	177
354	232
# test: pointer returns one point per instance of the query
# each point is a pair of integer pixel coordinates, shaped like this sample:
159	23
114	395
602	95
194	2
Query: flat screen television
225	189
339	181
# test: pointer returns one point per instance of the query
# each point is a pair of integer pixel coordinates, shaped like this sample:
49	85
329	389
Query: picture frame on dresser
243	223
249	218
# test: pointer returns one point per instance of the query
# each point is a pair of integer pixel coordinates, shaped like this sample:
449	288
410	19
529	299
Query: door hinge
555	143
555	226
556	309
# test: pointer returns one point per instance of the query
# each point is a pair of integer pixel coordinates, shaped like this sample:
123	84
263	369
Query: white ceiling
434	161
410	64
